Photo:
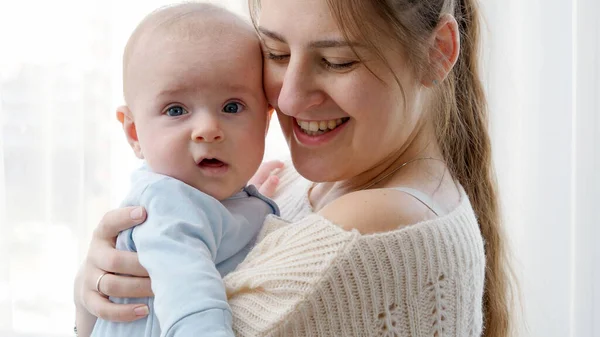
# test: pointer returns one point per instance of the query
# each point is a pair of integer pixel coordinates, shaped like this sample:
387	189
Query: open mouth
317	128
213	167
211	163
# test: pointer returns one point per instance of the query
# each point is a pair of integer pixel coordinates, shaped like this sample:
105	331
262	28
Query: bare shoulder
374	211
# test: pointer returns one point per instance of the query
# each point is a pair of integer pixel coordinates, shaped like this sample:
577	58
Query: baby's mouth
211	163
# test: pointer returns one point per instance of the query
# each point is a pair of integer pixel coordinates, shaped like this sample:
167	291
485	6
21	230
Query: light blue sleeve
178	245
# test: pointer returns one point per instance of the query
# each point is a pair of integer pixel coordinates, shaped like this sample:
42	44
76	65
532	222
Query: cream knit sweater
309	277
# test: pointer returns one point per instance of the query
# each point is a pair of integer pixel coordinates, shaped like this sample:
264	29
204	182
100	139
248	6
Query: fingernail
141	311
136	214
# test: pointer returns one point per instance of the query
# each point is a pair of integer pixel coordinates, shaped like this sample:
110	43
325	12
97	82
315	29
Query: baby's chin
218	190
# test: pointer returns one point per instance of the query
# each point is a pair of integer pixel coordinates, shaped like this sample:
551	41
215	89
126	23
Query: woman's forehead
312	19
316	26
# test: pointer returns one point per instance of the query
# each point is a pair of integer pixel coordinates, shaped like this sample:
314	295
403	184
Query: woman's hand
104	258
265	179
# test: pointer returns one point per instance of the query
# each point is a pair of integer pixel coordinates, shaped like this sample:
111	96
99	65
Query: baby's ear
271	110
269	116
125	116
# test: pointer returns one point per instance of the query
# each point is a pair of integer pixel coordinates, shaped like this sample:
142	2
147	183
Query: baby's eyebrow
172	91
233	88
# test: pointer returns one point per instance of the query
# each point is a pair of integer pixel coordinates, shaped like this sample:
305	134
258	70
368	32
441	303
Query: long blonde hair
460	112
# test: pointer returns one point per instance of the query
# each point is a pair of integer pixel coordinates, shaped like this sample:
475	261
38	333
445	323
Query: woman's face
339	119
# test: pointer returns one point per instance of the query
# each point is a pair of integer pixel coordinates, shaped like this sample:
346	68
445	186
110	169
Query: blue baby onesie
188	243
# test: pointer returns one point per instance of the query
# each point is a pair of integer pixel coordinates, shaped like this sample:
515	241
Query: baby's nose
208	133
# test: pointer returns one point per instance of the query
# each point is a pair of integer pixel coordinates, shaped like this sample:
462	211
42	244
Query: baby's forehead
193	21
193	34
185	28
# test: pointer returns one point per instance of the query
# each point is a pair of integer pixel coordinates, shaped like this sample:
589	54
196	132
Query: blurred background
64	160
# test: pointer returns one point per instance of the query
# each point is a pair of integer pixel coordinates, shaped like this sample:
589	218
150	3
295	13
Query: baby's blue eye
176	111
233	107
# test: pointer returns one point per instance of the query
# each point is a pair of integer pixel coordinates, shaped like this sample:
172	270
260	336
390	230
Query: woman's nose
299	90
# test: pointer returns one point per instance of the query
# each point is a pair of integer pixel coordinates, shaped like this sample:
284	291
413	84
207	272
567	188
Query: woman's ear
125	116
444	50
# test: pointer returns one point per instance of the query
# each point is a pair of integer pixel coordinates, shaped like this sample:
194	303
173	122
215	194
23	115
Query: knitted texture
312	278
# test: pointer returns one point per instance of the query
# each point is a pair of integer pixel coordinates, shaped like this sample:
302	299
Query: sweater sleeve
178	245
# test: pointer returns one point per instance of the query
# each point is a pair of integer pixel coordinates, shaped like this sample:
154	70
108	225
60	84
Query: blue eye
176	111
233	108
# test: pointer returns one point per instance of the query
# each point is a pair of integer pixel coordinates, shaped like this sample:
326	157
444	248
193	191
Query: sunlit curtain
543	78
64	160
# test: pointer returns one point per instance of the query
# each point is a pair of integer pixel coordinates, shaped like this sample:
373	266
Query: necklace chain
397	169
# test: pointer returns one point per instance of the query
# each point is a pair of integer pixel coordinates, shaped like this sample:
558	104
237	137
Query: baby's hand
265	179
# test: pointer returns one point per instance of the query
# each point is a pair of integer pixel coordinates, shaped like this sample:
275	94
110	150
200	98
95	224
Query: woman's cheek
285	122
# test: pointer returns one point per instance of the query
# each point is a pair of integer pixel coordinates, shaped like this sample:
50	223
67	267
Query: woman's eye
276	57
339	66
233	107
176	111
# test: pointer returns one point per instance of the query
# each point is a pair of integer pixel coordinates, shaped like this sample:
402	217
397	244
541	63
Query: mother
384	114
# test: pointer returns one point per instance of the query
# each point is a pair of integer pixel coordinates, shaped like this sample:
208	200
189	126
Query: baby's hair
186	20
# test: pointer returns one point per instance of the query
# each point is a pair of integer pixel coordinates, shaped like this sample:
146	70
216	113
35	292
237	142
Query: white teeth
319	127
331	124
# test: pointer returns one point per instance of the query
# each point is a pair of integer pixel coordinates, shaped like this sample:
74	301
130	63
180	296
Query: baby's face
199	108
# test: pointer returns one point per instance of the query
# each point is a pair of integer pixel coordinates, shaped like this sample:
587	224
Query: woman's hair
459	111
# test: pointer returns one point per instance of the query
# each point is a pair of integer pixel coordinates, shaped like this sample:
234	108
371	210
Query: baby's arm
178	244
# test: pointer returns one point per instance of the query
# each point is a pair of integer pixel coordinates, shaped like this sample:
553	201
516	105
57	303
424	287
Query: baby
197	114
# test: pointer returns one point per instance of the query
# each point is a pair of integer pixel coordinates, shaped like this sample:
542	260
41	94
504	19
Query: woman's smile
316	133
317	128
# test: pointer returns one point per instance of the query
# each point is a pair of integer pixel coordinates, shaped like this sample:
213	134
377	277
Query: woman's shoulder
374	211
379	210
375	214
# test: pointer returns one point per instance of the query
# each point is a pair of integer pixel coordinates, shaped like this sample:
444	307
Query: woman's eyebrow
322	44
271	34
333	44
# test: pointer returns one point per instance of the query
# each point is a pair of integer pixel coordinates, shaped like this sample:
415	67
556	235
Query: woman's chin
315	167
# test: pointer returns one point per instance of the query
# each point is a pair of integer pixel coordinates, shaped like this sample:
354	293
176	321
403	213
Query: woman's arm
104	258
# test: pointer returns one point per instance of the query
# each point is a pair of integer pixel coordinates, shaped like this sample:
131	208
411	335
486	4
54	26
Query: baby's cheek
161	149
252	152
